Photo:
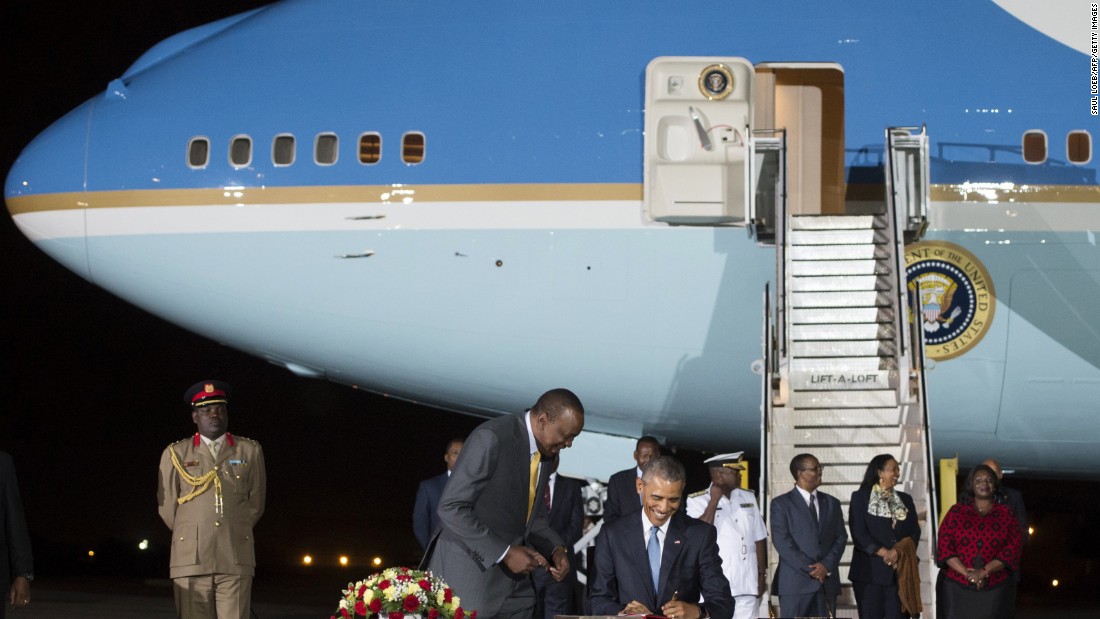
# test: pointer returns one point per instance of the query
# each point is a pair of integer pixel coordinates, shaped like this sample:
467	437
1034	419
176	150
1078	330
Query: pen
674	594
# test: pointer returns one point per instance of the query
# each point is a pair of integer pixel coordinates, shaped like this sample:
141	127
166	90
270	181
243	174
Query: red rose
376	606
411	603
425	585
397	615
473	615
447	596
385	584
458	613
362	588
361	608
433	613
344	612
403	577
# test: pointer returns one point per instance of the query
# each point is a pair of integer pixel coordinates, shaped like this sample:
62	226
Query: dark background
93	387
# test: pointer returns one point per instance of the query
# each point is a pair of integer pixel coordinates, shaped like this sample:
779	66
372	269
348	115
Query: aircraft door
806	100
698	121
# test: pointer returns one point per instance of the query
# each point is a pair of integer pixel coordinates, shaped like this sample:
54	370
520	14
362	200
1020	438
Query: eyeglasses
817	469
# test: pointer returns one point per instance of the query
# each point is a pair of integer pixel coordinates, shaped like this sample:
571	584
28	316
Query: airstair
843	368
728	143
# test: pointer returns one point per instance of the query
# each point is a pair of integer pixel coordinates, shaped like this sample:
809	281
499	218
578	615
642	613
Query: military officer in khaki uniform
742	536
211	493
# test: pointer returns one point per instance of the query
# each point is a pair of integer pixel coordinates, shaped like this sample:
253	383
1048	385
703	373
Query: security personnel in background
211	492
741	532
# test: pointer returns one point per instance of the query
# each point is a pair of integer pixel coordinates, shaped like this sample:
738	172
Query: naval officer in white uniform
741	532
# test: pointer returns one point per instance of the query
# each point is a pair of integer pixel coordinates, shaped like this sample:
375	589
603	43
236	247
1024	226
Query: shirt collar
806	495
530	434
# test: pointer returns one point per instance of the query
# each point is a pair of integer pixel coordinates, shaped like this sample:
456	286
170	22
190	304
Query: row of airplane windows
326	149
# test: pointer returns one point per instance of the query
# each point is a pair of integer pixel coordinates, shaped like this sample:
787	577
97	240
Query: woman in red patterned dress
979	547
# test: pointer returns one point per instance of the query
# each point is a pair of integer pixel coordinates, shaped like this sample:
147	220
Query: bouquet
397	592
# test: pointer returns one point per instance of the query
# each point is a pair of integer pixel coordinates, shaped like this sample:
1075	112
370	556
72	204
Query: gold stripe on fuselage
381	194
537	192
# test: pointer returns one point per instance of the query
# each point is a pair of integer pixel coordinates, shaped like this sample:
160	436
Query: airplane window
1079	147
282	150
1035	146
412	148
198	152
370	148
325	148
240	151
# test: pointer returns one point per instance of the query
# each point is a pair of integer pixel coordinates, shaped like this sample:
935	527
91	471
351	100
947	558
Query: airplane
446	204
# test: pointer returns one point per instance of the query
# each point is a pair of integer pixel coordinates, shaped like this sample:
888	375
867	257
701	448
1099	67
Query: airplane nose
45	190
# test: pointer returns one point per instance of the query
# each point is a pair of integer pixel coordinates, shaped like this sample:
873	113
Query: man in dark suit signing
659	560
425	510
491	537
808	533
566	517
622	490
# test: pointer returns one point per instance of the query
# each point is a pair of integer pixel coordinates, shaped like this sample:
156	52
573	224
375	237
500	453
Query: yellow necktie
534	481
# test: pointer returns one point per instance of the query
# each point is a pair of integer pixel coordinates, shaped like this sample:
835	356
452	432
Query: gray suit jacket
800	544
483	511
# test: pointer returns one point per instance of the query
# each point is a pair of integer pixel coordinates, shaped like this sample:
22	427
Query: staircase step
843	332
838	267
843	364
840	381
830	418
839	399
835	283
830	456
813	437
837	237
836	222
865	348
838	252
814	315
845	299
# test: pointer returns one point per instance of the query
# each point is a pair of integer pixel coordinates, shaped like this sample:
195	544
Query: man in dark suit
622	488
16	564
566	518
659	560
425	518
491	538
808	533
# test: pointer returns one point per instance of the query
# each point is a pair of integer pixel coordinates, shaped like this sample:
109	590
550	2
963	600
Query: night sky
94	386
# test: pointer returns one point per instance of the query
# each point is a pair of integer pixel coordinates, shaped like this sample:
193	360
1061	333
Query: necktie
813	511
534	482
546	498
214	448
654	556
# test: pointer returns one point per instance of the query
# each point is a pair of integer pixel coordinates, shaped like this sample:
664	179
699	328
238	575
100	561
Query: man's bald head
996	466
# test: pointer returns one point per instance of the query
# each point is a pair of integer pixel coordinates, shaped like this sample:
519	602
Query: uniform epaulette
700	493
238	437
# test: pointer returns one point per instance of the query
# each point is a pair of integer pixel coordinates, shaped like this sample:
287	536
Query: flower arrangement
397	592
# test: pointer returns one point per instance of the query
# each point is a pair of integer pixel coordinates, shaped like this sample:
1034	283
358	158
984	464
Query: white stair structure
843	371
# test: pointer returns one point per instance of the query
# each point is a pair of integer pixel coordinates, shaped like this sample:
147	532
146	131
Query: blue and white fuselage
515	255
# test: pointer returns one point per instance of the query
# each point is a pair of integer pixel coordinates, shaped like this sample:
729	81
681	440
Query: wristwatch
29	576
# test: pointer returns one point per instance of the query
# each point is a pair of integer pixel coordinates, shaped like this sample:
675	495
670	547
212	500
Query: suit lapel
674	545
